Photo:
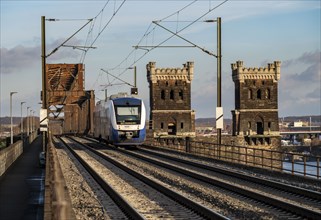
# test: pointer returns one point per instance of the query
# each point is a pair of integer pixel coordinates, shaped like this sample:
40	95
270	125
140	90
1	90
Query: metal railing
294	163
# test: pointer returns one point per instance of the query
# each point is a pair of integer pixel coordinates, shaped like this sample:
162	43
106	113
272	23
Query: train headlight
129	135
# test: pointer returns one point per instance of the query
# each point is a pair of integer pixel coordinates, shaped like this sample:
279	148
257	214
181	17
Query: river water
311	168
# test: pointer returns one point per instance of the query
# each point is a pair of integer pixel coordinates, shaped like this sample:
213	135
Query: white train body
120	120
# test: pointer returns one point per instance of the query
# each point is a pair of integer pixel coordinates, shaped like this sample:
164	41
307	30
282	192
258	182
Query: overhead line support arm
206	51
117	78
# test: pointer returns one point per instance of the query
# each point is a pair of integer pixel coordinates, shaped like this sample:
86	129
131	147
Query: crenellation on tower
240	73
154	74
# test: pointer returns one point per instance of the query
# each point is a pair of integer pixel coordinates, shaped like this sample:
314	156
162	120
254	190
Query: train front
128	124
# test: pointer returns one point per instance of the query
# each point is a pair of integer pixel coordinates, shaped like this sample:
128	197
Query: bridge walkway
22	186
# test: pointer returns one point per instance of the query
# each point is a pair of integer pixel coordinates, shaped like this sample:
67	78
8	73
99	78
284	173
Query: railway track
288	201
138	196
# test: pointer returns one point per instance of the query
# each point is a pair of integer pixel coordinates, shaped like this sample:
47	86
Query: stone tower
256	103
170	100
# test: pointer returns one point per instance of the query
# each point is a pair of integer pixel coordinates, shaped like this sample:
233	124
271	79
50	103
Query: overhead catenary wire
147	32
105	26
117	78
193	22
70	19
114	14
190	42
85	48
164	41
62	44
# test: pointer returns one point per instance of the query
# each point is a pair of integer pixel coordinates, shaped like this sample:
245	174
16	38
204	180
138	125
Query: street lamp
21	122
30	121
11	93
33	121
27	121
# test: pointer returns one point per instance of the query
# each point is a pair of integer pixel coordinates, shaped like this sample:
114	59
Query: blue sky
257	32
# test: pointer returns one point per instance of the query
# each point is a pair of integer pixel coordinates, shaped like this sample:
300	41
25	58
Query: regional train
120	120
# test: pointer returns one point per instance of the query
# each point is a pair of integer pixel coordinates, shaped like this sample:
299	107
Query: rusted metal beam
66	95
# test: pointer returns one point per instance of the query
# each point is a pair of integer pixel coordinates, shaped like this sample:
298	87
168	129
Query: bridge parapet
9	154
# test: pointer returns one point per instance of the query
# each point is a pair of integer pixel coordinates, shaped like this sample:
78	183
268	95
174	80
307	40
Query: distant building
170	100
205	131
297	124
255	117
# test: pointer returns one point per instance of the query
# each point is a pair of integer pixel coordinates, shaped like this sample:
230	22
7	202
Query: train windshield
128	112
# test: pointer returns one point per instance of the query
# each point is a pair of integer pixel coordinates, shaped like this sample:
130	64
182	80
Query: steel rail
281	186
196	207
128	210
298	210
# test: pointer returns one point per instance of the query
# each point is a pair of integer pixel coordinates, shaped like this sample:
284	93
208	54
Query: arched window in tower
163	94
250	94
258	94
267	94
171	94
180	94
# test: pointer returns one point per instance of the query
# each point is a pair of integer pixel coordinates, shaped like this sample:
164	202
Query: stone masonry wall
9	154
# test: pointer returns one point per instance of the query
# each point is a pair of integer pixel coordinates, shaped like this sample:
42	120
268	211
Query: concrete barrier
57	199
9	154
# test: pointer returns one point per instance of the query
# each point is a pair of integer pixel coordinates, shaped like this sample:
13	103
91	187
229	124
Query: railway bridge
70	107
65	187
73	184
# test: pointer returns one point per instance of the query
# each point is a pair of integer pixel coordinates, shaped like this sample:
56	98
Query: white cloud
299	88
18	58
24	57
